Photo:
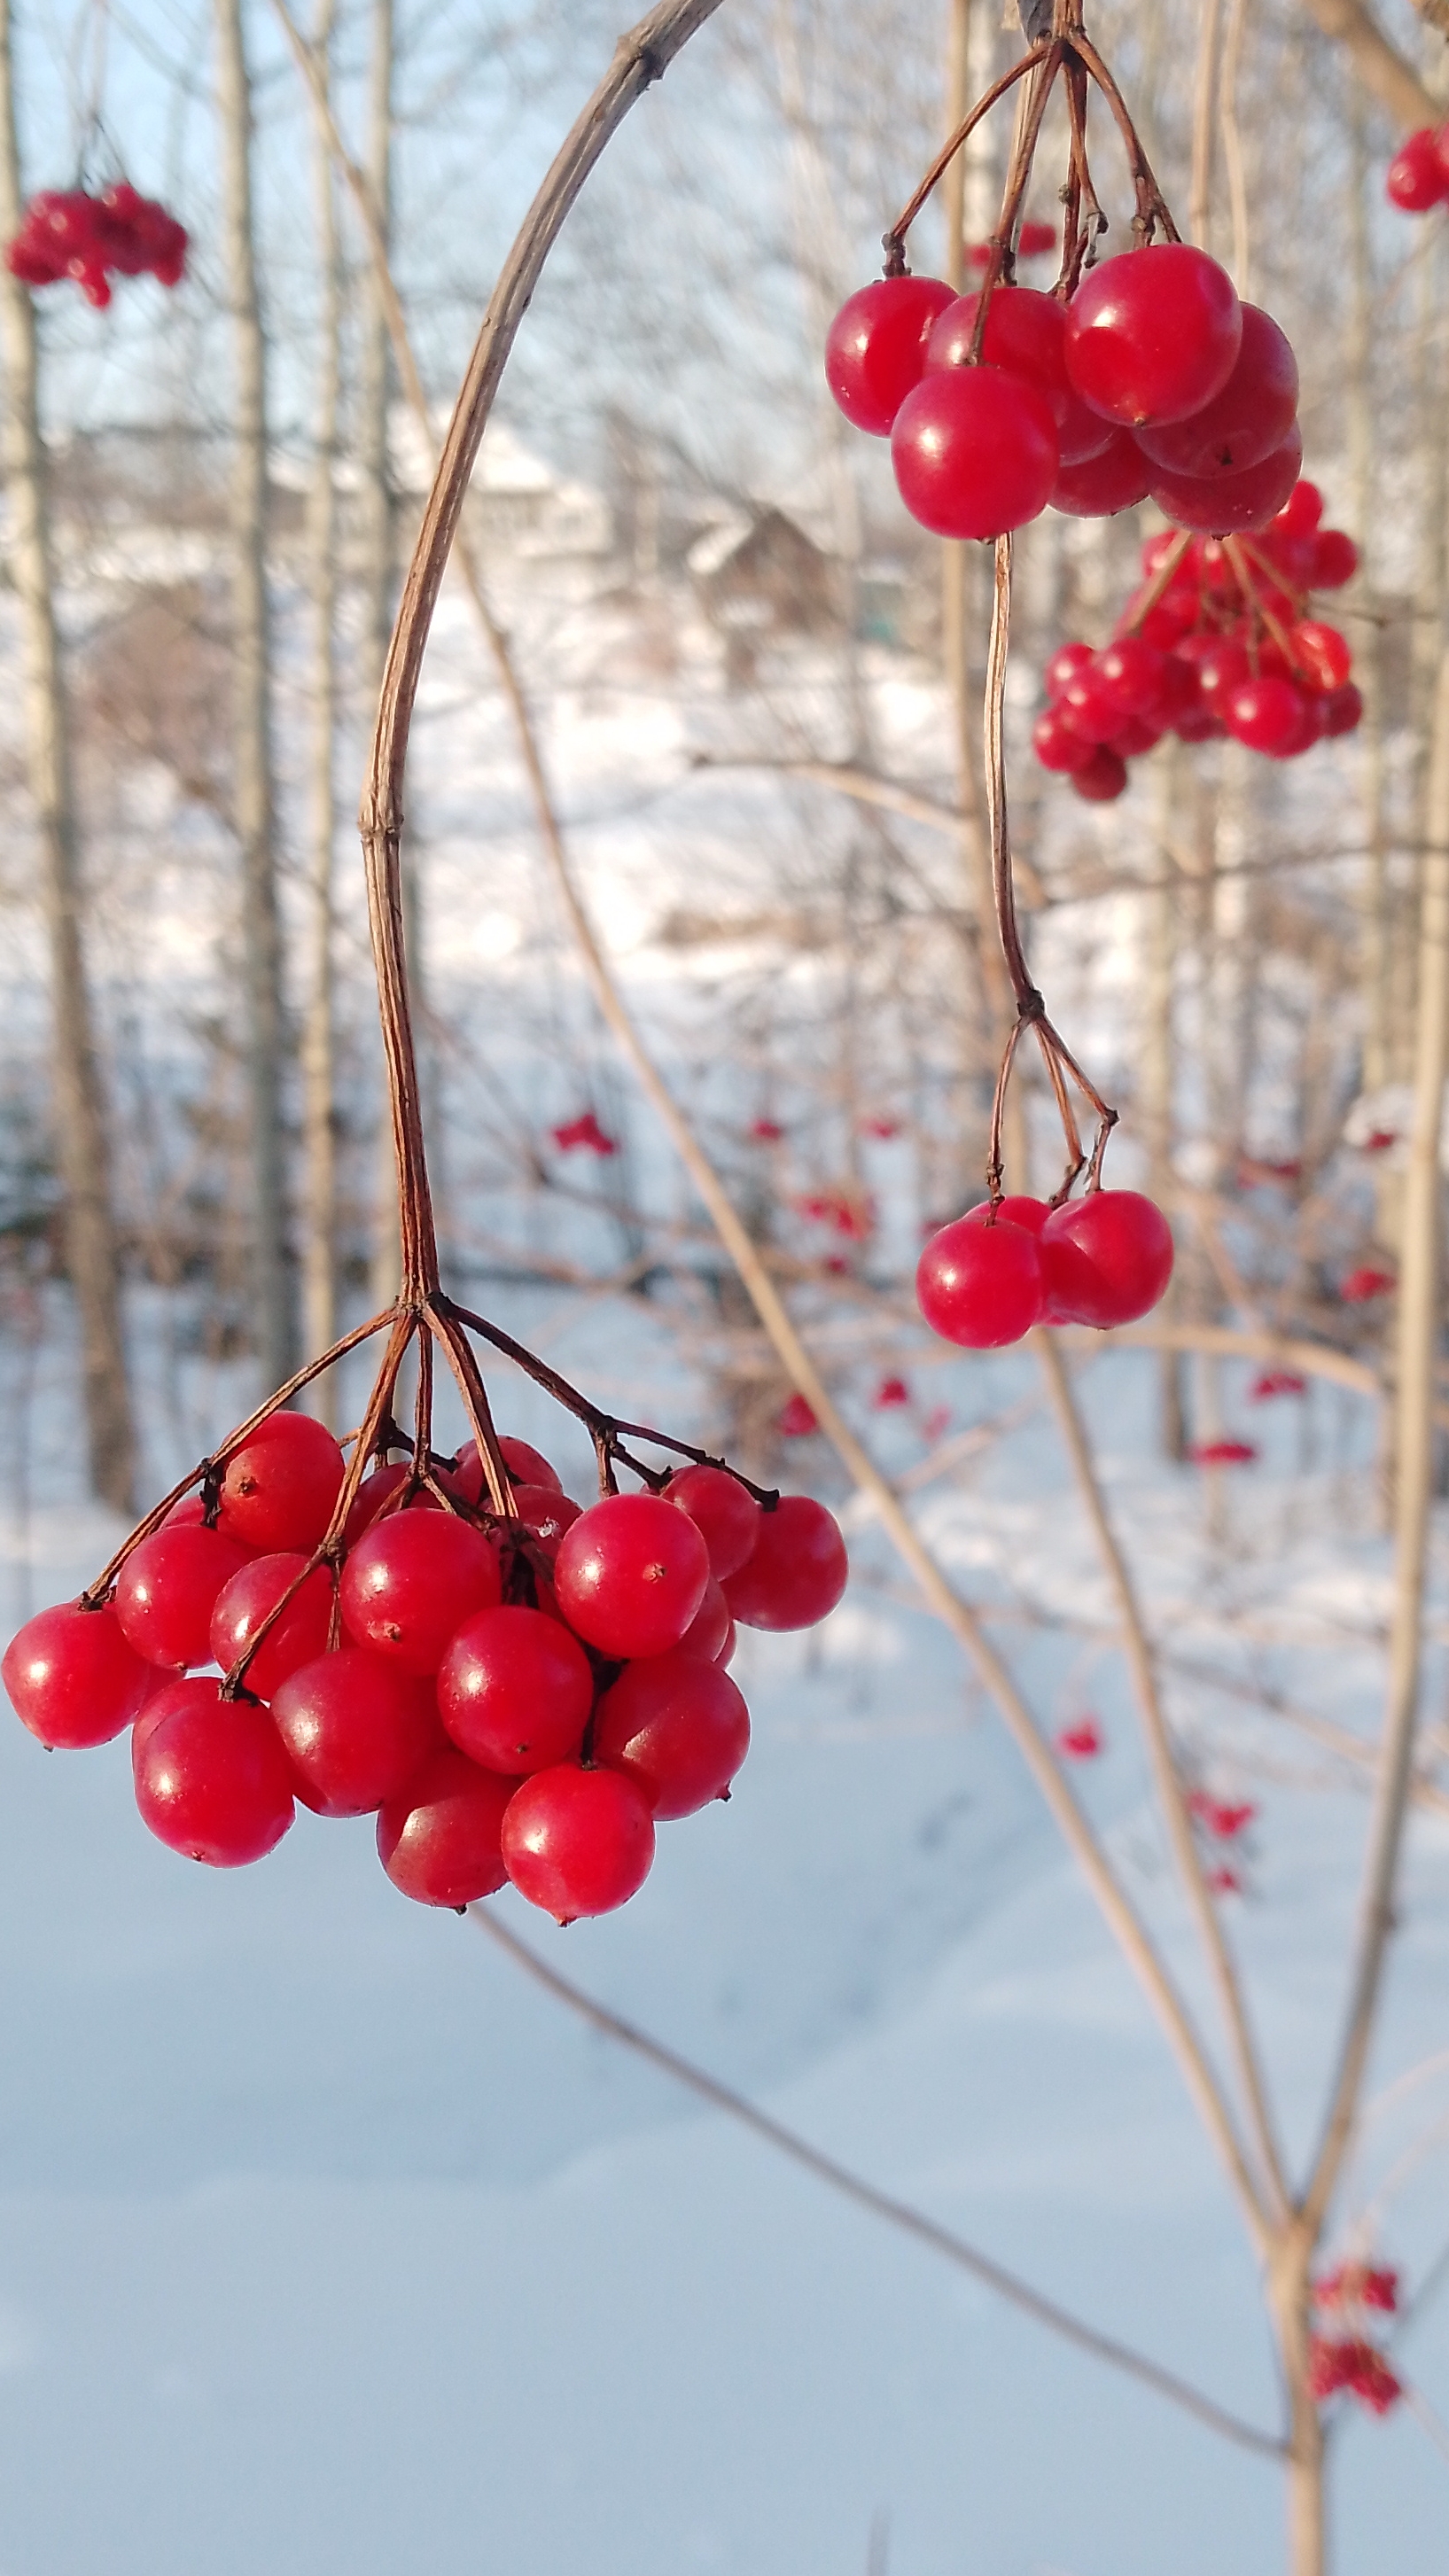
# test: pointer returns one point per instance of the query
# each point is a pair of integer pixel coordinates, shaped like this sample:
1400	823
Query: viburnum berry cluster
518	1689
1010	1263
1144	375
1218	641
1345	2360
69	233
1418	175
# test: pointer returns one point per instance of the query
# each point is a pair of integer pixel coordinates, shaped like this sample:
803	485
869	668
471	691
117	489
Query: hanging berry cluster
1419	171
1217	642
1145	375
69	233
517	1688
1345	2360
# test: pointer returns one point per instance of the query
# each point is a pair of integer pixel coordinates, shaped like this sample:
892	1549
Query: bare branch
1379	65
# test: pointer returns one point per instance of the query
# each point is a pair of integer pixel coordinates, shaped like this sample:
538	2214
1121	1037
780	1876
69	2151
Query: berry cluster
517	1697
1223	1820
1151	378
584	1135
1010	1263
1215	642
1419	171
68	233
1347	2361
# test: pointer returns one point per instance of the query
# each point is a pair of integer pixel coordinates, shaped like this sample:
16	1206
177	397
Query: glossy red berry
278	1489
248	1599
1134	673
212	1780
411	1581
1064	666
72	1678
1321	655
1231	504
677	1727
1335	560
1417	178
439	1839
1252	415
1264	713
631	1573
726	1516
1117	478
525	1464
1343	711
975	452
545	1511
167	1589
1154	334
708	1632
356	1730
515	1691
875	351
1057	746
1026	335
1103	778
797	1570
578	1842
1127	1242
980	1285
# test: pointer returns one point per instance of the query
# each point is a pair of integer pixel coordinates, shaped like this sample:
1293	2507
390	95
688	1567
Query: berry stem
894	241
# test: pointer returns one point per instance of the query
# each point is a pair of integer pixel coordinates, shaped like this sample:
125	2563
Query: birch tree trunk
319	1234
252	797
77	1104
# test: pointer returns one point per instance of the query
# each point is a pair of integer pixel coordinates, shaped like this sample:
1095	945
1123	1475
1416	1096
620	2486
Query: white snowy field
330	2245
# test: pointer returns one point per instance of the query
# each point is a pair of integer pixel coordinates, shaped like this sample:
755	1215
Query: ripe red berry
677	1727
166	1591
1117	478
411	1581
1134	673
1417	178
980	1285
1335	560
212	1780
356	1730
248	1599
631	1573
525	1464
1228	505
1026	335
1263	713
1251	416
439	1838
515	1691
1154	334
1343	711
1127	1242
1057	746
1088	705
578	1842
708	1632
72	1678
279	1488
875	351
726	1516
797	1570
376	1491
1103	778
975	452
546	1511
1321	655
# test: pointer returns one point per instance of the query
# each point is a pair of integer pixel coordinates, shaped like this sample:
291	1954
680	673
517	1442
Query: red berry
1252	415
411	1581
299	1635
1115	479
1088	705
1262	713
377	1490
631	1573
1335	560
525	1464
166	1591
1056	744
975	452
797	1570
1064	665
515	1691
980	1284
439	1838
677	1727
1025	334
279	1488
212	1780
546	1511
1301	512
1230	504
578	1842
1417	178
1153	335
1343	711
356	1730
72	1678
726	1516
1134	673
1127	1241
1321	655
876	347
709	1630
1221	667
1103	779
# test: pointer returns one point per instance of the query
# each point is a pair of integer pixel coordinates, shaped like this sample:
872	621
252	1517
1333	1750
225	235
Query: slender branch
894	240
865	2195
1142	1666
1379	65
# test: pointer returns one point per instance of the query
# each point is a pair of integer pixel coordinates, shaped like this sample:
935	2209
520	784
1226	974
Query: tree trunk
252	799
319	1233
78	1106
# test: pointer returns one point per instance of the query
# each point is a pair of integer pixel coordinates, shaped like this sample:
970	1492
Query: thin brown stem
894	240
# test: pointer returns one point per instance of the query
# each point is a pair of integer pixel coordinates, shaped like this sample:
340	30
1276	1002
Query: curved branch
898	2213
1379	65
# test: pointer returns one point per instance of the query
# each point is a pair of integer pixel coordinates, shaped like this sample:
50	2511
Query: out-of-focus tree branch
1380	65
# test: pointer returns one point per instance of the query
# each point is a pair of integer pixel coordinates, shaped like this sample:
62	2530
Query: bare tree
79	1110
